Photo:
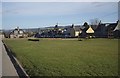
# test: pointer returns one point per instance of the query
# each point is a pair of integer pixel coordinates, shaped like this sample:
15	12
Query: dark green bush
35	39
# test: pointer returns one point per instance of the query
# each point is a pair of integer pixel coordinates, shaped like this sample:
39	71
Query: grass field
93	57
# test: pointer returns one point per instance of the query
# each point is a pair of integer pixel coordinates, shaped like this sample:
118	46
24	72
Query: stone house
17	33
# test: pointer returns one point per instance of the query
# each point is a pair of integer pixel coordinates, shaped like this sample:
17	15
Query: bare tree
95	21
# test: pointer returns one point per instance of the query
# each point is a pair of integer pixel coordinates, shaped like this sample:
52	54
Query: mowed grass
93	57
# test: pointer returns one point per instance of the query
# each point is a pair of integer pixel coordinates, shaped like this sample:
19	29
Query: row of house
101	30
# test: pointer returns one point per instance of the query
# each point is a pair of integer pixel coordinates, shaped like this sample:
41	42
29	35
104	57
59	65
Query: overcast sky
42	14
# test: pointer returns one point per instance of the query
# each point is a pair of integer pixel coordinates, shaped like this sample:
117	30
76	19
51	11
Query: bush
35	39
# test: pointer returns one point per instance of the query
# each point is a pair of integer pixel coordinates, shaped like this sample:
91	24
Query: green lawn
93	57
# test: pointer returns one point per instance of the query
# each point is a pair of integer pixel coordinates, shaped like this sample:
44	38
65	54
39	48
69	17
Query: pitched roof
112	26
117	27
90	30
77	28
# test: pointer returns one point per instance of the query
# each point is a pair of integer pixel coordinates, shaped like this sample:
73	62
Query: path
0	58
5	62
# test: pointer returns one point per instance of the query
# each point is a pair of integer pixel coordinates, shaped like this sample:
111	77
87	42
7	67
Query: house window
21	32
15	32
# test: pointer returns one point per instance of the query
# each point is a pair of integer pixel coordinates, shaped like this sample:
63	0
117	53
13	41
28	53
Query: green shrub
34	39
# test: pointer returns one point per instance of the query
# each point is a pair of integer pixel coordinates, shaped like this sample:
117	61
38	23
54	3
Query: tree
110	32
86	26
95	21
72	26
56	29
79	39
